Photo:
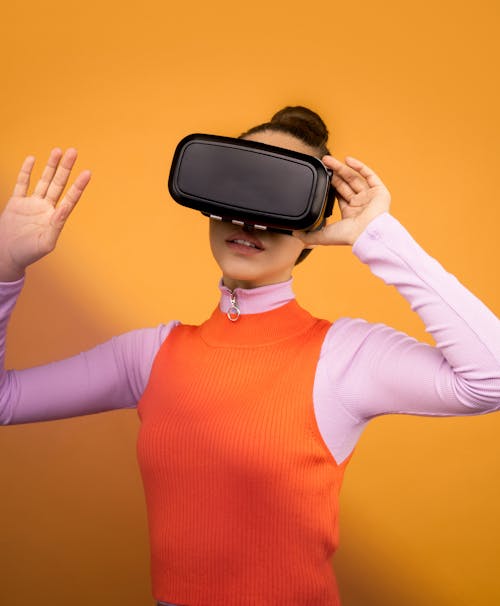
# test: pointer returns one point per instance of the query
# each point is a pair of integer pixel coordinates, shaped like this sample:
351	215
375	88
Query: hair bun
300	122
304	123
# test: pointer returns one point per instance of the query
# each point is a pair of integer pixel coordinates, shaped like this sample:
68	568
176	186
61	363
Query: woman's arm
398	374
110	376
379	370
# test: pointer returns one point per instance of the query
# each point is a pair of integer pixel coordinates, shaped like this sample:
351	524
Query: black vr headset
251	184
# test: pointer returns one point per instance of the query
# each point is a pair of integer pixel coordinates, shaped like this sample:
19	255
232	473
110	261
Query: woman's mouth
245	245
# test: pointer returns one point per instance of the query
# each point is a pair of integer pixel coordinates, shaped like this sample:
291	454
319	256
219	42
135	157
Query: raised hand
361	195
30	224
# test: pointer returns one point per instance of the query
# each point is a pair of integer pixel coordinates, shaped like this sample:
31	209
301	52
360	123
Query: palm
30	224
25	228
359	202
361	208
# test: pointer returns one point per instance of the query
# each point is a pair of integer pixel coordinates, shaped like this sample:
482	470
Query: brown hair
303	124
300	122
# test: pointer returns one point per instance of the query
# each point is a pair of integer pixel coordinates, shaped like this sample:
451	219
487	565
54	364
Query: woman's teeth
245	243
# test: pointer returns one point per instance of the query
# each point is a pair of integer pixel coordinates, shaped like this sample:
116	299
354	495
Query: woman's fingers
371	177
54	177
69	201
347	176
48	173
343	189
65	207
60	179
55	174
23	178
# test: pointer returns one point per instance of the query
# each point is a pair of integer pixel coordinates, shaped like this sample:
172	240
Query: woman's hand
361	195
30	224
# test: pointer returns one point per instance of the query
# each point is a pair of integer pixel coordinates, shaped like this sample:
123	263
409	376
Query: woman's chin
233	281
241	279
240	270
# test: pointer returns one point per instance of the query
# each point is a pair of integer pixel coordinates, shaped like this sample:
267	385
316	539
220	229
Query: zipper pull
233	313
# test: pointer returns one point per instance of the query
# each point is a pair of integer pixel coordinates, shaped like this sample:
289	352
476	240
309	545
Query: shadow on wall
367	580
55	319
74	527
379	563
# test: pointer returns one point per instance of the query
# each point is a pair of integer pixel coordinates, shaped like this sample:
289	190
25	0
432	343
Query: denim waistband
167	604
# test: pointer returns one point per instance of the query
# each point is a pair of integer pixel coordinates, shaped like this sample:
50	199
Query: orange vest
241	490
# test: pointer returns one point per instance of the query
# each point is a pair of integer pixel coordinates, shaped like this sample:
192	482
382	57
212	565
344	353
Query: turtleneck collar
267	314
256	300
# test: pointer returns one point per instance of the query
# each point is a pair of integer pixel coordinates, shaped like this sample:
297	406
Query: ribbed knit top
240	488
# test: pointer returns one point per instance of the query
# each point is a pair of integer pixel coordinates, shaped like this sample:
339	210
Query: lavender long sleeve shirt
364	369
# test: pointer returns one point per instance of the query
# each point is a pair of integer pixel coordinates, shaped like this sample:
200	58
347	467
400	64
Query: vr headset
251	184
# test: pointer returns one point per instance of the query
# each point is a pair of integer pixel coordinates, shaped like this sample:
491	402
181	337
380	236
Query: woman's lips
244	243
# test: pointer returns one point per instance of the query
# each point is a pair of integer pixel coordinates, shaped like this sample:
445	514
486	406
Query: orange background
412	89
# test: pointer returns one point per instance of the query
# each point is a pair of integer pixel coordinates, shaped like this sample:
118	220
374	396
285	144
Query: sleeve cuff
11	288
387	231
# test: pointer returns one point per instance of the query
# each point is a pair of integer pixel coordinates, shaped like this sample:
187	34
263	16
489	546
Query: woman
247	426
